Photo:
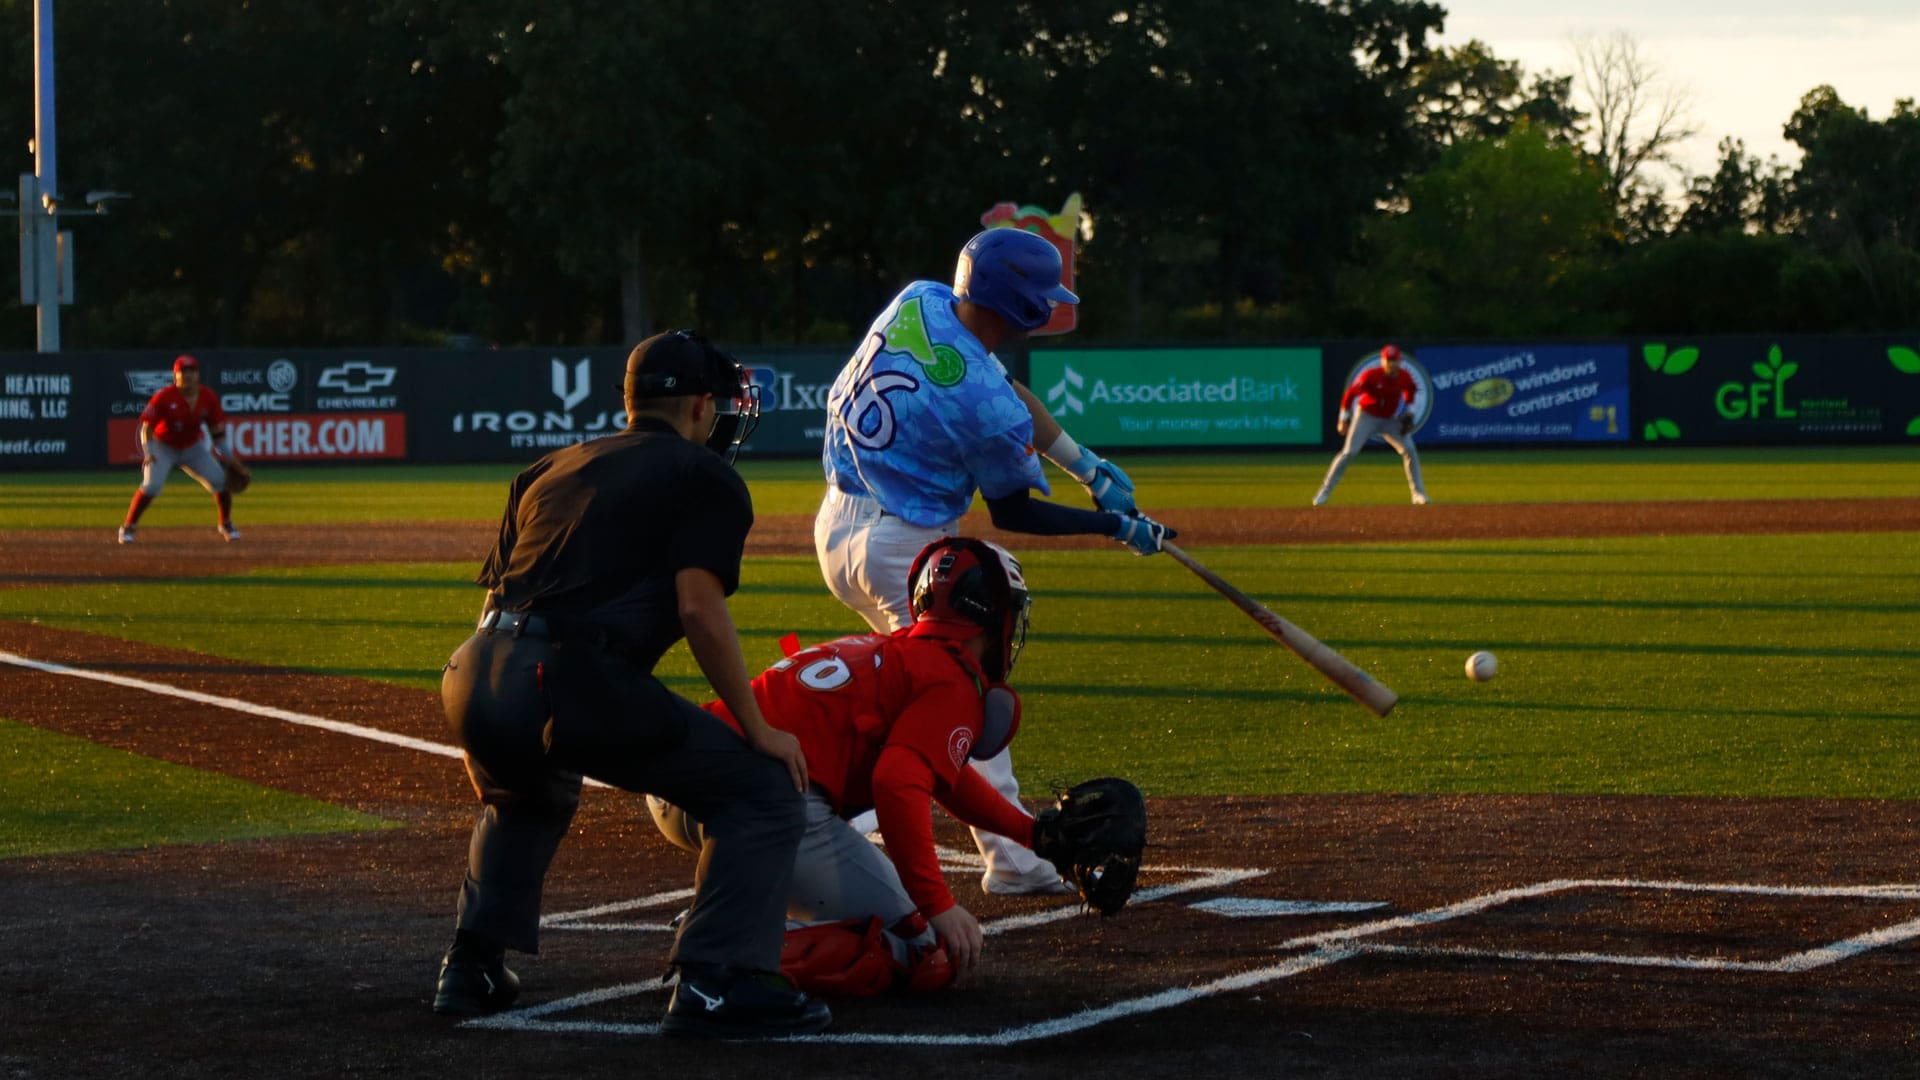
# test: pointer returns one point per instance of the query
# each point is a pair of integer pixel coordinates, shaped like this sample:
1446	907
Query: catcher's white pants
1364	426
865	554
197	461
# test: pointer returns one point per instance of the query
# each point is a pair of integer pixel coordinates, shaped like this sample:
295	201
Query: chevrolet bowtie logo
357	377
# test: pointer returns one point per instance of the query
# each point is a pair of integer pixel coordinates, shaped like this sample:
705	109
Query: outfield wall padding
81	409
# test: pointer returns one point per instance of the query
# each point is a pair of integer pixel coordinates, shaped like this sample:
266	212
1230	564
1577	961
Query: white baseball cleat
1419	498
1042	881
228	531
126	534
1320	499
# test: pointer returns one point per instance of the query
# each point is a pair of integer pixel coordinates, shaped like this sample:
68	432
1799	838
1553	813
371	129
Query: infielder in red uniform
1380	402
891	722
182	425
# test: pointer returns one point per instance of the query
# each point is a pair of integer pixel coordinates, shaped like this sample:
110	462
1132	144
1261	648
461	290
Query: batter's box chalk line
1309	952
1806	960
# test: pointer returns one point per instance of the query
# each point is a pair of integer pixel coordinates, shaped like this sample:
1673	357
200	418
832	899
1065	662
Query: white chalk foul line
1254	907
1806	960
1325	948
236	705
268	712
533	1017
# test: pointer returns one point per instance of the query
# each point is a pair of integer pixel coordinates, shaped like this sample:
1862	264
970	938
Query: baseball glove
1094	836
1406	424
239	477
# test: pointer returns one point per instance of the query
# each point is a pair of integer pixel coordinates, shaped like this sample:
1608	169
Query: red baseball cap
183	362
1389	352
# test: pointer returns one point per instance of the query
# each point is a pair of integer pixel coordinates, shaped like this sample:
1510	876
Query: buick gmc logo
279	378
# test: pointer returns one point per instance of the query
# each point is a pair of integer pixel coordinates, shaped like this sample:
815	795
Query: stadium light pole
46	252
40	201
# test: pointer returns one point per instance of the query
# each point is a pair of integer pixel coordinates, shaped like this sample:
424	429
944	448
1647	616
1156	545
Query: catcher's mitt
239	477
1094	837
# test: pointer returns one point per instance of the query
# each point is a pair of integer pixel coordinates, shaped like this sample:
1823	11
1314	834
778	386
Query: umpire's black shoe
721	1003
474	982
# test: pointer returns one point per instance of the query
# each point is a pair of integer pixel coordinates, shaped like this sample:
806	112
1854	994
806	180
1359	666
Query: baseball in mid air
1482	666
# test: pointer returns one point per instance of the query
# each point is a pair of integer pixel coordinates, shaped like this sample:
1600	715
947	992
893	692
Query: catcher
890	722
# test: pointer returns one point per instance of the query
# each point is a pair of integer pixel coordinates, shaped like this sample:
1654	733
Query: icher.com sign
1526	393
1183	397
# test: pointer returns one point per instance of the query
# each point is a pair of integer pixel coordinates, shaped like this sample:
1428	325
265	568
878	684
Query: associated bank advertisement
1526	393
1183	397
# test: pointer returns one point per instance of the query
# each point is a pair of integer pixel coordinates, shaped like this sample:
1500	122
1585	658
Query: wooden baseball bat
1360	686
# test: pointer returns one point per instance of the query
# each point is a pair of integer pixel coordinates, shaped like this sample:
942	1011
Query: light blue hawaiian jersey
922	415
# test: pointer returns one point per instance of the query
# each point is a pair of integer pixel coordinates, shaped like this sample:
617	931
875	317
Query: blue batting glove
1111	488
1143	534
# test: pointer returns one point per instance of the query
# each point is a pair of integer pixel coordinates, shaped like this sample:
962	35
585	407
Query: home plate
1248	907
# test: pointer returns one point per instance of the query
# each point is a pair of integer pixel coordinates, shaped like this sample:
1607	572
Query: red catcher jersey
177	423
848	700
1379	393
900	712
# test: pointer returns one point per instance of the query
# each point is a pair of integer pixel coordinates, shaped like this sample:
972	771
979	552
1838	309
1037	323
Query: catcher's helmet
1014	274
961	586
1389	352
681	363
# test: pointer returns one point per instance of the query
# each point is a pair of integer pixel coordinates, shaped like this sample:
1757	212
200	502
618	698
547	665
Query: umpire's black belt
517	623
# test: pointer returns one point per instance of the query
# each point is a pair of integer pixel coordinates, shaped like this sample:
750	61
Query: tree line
418	172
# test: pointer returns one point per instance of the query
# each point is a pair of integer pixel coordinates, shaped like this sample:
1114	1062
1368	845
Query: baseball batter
921	417
182	426
1380	402
889	723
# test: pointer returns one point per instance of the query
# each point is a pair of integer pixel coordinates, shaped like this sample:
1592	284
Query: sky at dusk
1744	65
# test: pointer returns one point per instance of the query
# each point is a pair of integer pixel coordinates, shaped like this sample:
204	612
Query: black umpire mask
681	363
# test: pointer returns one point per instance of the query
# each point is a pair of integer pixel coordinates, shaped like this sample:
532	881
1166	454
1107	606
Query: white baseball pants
865	554
197	461
1362	427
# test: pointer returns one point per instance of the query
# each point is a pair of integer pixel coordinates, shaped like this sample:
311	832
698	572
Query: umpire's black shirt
594	533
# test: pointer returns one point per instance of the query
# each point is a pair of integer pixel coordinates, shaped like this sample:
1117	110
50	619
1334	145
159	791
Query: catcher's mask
961	586
681	363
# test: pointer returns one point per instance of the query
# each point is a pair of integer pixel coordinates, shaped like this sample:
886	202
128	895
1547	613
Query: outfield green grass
1750	666
293	494
65	794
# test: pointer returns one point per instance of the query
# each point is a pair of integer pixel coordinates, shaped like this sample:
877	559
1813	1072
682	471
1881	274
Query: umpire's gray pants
499	715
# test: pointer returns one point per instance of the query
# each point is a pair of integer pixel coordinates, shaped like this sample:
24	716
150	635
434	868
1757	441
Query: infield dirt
314	956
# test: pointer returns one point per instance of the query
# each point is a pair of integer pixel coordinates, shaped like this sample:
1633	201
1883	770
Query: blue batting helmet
1014	274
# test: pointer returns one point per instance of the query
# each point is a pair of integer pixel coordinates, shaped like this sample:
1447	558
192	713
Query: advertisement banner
515	404
793	399
1754	391
1057	229
302	405
1183	397
43	408
290	437
1523	393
